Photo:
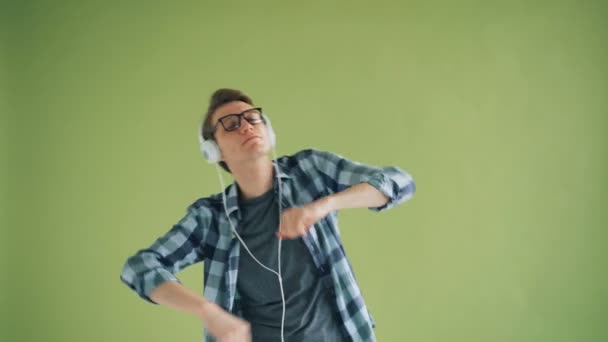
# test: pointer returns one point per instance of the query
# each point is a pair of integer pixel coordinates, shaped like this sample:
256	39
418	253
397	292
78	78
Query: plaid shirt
204	234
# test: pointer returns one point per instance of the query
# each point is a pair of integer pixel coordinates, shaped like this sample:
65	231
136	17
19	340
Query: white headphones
211	151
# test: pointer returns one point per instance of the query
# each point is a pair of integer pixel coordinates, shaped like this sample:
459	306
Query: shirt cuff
154	279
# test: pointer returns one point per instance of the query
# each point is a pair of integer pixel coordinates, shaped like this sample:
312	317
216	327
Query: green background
498	109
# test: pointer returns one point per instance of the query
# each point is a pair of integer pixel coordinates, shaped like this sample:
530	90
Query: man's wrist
202	309
327	204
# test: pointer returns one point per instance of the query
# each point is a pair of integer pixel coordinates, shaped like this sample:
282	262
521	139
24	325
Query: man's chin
256	147
255	152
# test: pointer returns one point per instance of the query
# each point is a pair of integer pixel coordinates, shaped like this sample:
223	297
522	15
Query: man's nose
245	126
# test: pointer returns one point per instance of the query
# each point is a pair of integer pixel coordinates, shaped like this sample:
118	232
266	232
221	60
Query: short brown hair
218	98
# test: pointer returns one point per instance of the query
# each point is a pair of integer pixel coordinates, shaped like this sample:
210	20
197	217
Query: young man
243	299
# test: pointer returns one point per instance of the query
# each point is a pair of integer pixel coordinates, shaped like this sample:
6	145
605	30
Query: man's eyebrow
238	113
221	117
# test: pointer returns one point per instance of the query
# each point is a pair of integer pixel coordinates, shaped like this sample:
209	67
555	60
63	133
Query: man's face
248	142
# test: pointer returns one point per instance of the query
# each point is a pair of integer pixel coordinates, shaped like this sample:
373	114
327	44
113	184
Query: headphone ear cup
271	136
211	151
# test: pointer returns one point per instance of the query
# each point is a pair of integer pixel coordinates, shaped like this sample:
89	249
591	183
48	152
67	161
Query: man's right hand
224	326
219	323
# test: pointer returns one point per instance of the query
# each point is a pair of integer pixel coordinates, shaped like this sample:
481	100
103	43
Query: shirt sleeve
340	173
180	247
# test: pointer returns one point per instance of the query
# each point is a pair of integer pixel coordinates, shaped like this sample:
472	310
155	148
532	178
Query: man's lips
248	139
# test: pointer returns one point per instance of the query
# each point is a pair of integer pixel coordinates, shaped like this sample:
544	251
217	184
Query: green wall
498	110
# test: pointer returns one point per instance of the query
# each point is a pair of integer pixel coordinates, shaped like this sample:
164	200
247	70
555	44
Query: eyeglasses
232	122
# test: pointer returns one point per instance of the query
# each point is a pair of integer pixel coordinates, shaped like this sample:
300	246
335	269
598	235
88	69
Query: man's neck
254	178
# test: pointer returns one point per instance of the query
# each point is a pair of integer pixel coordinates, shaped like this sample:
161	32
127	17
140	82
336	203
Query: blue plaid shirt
204	234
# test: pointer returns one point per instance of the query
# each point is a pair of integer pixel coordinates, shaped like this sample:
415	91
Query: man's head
236	126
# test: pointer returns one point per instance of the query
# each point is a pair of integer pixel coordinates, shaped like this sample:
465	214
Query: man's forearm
361	195
219	323
175	295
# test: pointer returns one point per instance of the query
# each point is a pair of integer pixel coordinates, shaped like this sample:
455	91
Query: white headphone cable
276	167
280	200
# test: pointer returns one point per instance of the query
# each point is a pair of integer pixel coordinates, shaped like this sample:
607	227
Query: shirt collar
232	194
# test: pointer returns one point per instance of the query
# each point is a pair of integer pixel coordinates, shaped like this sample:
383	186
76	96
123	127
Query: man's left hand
296	221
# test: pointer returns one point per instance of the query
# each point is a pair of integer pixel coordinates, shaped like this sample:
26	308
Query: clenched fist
224	326
296	221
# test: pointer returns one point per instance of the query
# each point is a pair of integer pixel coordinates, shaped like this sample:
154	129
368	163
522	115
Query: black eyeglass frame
240	116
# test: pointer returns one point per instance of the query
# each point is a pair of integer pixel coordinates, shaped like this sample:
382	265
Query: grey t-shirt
310	314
